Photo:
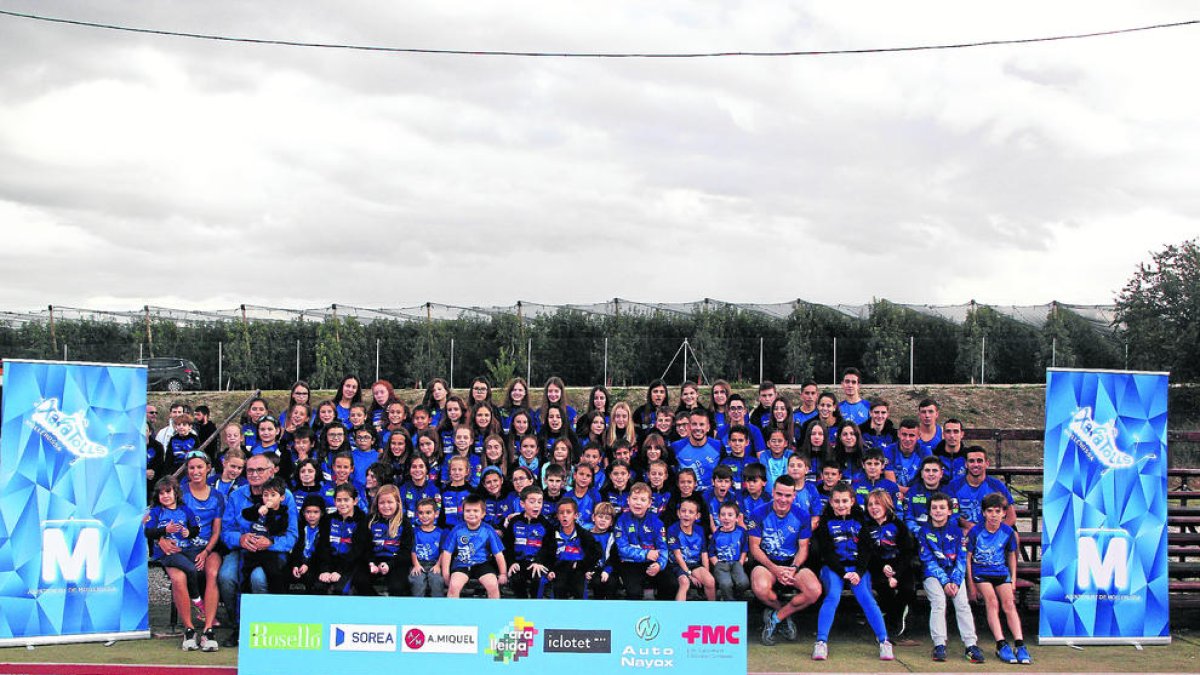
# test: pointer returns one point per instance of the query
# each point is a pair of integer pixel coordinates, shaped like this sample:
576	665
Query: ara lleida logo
513	642
1099	441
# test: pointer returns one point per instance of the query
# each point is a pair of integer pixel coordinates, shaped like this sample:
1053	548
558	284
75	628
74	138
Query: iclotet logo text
297	636
353	637
571	641
439	639
712	635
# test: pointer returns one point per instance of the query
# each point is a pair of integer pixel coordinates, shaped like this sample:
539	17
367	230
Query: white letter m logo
71	551
1103	572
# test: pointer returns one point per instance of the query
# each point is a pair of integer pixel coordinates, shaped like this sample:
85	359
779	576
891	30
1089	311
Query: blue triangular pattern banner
72	476
1104	543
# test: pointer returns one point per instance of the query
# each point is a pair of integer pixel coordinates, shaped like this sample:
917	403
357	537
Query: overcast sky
141	169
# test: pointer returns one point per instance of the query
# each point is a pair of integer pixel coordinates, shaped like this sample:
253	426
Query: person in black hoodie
342	545
892	563
845	559
570	553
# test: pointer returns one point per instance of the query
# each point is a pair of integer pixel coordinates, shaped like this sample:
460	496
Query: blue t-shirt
691	545
427	545
780	535
856	412
907	468
970	499
928	446
206	511
776	467
989	550
471	547
702	460
728	546
160	517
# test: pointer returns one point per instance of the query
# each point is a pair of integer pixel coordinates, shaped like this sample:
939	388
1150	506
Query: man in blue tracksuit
237	536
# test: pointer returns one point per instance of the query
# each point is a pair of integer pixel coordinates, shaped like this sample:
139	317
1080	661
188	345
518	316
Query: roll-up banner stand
72	497
1104	540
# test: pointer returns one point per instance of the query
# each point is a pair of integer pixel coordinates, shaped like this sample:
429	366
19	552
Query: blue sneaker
974	654
1023	655
939	652
1005	653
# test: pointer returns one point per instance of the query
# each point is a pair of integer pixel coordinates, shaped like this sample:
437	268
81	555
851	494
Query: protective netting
1101	316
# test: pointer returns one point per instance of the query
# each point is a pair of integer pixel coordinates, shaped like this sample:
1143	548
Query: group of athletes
728	499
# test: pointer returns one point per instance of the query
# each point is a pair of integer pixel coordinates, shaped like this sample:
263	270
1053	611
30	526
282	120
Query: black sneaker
231	640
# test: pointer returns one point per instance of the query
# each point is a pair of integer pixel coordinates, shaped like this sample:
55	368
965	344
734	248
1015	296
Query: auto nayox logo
643	655
513	642
354	637
647	628
296	636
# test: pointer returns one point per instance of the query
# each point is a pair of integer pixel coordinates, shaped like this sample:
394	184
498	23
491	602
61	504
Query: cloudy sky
141	169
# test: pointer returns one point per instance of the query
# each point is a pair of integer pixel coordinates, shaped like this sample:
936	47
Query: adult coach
779	533
237	537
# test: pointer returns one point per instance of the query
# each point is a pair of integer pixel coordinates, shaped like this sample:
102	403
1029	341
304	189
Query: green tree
887	349
1159	310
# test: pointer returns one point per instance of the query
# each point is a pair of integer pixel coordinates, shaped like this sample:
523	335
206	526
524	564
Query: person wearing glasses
238	536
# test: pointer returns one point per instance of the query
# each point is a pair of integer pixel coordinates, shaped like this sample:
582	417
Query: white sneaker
885	651
189	640
208	641
820	651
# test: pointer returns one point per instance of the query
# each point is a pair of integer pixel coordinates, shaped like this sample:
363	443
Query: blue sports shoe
1023	655
1005	653
939	652
974	654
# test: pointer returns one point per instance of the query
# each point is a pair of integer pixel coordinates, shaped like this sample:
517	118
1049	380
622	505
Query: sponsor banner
1104	542
357	637
72	497
490	636
435	639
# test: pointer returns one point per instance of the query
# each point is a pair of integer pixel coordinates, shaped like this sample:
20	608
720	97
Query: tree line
893	344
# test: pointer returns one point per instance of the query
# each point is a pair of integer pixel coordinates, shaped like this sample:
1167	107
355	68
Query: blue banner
72	497
299	635
1104	544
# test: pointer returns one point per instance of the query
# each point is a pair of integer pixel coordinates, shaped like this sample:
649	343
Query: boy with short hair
991	571
915	506
270	520
727	551
556	487
641	542
523	539
688	549
660	493
180	444
722	493
754	491
473	551
831	476
426	548
944	557
300	560
603	582
873	478
735	455
569	554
